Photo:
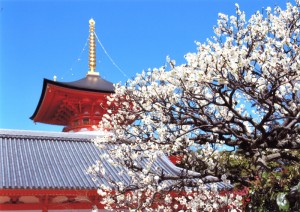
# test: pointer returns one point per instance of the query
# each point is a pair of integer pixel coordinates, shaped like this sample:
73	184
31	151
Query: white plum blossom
238	93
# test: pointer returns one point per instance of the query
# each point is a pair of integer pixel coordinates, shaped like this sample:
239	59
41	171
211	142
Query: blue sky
40	39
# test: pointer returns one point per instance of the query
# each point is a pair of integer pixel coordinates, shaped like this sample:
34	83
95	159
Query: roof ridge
45	137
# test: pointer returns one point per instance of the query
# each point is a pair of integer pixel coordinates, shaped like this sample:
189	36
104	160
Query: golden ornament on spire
92	58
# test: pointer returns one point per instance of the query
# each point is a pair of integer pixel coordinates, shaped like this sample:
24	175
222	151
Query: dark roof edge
46	135
67	85
41	99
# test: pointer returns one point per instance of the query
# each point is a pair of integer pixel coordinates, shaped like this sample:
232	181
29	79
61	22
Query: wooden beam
49	206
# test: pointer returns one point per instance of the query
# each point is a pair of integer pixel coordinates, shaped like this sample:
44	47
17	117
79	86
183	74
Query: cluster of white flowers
224	94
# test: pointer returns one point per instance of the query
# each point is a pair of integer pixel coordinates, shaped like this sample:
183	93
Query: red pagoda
78	105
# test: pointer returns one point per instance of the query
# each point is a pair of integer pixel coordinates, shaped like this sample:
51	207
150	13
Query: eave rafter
65	111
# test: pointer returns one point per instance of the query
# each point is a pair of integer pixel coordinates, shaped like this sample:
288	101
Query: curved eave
80	85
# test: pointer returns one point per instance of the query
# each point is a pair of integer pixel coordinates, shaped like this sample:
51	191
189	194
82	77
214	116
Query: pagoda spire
92	55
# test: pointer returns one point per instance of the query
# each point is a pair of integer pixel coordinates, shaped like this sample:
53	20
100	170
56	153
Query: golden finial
92	59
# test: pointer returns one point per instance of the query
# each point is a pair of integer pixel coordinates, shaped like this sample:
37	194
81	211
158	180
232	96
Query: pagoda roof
90	83
46	160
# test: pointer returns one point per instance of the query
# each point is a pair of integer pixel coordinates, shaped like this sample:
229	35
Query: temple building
46	171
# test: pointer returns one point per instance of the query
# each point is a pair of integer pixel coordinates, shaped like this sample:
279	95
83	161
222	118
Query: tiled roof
38	160
43	160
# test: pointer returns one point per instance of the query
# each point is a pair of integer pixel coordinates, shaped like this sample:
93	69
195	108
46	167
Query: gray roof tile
43	160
